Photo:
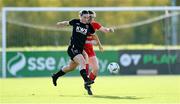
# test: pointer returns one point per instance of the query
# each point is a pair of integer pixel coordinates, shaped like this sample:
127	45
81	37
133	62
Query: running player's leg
94	64
81	61
90	53
87	61
72	65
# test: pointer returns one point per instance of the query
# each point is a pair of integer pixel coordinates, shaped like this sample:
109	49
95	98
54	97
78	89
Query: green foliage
84	3
18	35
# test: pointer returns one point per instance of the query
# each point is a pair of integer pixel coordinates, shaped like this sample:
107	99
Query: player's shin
84	75
59	73
87	69
92	76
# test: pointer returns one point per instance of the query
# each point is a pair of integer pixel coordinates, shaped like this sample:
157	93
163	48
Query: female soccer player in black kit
81	29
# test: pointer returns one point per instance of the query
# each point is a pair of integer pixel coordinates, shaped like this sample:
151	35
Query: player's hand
111	30
101	48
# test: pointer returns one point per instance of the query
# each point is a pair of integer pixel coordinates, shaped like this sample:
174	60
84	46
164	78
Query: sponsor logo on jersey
81	30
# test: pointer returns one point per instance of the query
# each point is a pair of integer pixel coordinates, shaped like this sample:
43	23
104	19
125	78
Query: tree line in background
84	3
18	35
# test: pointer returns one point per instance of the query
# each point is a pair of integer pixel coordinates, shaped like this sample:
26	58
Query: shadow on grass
117	97
107	97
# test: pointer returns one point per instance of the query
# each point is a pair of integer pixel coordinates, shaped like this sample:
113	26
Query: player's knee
70	68
96	67
95	70
83	64
66	69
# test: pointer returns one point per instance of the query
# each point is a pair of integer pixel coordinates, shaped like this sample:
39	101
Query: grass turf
107	90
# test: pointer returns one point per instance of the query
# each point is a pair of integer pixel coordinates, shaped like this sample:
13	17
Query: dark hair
90	12
82	12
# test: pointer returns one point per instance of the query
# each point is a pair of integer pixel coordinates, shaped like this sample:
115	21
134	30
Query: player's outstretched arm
105	29
62	24
95	37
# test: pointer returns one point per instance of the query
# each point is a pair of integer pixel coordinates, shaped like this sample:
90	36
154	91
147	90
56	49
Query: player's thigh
93	62
71	66
80	60
85	56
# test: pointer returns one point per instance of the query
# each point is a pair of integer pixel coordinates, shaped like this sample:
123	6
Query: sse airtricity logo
16	63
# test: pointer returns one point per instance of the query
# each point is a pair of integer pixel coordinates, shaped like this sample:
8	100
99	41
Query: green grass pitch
107	90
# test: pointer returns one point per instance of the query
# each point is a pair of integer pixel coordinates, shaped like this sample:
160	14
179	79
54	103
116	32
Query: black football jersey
79	33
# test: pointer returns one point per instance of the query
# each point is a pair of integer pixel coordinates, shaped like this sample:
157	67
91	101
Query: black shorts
73	51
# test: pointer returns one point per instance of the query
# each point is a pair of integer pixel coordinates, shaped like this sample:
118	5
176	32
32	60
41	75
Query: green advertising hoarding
159	61
44	63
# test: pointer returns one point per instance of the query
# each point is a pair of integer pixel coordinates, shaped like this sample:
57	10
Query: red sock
92	76
87	69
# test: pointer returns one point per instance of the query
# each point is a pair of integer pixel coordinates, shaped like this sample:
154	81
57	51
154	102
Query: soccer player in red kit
88	47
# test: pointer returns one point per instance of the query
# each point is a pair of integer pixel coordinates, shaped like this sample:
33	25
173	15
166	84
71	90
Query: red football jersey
88	47
96	26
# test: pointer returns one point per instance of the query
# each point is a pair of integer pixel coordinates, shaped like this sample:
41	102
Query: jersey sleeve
72	22
97	25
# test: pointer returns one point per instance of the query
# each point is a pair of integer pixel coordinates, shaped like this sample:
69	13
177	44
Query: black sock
84	75
59	73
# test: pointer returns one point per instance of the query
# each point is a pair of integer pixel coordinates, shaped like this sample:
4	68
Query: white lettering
50	63
81	30
127	59
103	65
40	63
136	58
32	64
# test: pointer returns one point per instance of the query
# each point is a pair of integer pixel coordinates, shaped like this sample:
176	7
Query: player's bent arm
95	37
105	29
62	24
